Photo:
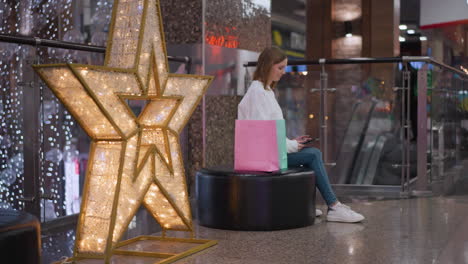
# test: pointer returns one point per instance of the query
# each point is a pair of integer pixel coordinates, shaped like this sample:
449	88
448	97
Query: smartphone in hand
310	141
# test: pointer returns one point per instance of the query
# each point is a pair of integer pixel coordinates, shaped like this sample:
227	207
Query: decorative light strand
11	109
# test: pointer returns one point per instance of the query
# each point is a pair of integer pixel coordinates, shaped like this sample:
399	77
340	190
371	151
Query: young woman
259	103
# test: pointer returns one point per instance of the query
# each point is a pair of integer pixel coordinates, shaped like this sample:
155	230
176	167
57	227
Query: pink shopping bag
260	145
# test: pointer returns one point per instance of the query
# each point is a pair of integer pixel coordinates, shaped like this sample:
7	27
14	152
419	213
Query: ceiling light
410	31
403	27
422	38
402	39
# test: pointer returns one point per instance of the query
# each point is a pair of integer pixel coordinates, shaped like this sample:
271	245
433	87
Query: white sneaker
343	213
318	212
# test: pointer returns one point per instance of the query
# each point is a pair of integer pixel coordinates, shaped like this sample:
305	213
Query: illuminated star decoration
133	160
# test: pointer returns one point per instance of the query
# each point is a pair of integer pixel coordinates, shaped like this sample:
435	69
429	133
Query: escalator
371	152
352	140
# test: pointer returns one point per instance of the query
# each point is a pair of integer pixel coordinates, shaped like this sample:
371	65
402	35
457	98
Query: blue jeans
312	158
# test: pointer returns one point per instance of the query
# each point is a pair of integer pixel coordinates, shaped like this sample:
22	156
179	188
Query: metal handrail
335	61
450	68
34	41
370	60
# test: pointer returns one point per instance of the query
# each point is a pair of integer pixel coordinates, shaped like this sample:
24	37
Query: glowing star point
136	160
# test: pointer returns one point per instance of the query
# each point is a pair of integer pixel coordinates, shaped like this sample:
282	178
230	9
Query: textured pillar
234	32
374	28
182	31
380	37
319	37
319	29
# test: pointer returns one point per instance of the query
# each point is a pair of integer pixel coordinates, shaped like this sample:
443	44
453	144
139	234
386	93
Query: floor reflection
58	244
418	230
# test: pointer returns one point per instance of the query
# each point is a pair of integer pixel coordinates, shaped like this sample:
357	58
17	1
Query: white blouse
261	104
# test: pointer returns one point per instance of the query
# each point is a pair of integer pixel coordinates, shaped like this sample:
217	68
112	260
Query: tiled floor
424	230
419	230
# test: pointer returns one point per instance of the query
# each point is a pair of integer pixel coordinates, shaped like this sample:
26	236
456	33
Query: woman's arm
292	145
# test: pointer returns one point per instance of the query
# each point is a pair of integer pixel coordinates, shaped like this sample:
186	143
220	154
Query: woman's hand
300	140
303	139
300	146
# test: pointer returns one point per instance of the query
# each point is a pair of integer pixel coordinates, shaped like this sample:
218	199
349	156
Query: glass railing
447	124
382	122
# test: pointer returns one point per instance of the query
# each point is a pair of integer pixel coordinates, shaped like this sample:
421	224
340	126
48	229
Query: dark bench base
227	199
20	240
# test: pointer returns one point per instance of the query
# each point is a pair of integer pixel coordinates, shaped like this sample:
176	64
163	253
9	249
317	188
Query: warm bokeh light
348	11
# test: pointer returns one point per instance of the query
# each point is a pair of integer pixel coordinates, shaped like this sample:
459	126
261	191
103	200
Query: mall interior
118	120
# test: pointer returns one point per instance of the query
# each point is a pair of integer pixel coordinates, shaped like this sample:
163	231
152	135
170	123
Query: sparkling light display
11	111
53	20
49	19
133	160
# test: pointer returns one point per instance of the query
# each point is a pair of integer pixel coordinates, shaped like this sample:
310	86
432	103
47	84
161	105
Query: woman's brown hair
269	57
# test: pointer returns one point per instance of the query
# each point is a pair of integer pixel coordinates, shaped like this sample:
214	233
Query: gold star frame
133	160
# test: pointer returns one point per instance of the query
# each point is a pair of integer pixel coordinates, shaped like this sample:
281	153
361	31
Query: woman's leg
312	158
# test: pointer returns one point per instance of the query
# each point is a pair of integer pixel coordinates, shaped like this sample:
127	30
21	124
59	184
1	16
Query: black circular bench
20	237
235	200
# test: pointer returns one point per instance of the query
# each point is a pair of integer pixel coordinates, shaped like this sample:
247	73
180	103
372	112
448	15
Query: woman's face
277	70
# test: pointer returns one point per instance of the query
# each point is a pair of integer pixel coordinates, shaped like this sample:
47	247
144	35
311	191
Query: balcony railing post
32	138
405	129
422	182
323	110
